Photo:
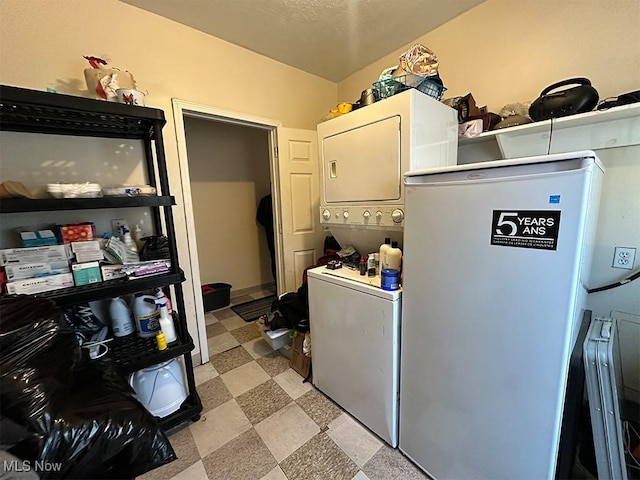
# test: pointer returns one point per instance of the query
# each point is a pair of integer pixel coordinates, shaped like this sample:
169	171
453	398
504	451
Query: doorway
218	164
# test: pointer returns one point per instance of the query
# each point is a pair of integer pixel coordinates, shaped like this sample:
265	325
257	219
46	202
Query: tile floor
260	421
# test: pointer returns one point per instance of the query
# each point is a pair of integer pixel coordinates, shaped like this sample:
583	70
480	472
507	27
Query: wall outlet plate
624	257
116	224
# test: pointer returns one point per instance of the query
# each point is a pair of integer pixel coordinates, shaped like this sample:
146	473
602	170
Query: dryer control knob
397	215
378	214
326	214
366	214
345	214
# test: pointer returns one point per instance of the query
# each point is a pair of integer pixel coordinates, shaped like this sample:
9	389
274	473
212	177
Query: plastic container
383	253
121	320
394	257
166	322
216	295
161	388
146	315
389	279
277	338
161	297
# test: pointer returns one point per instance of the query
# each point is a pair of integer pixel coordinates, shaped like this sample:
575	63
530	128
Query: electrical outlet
624	257
116	224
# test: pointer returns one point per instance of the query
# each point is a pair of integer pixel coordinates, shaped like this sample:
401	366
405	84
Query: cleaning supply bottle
146	314
371	265
162	297
166	322
138	235
394	257
383	252
121	321
128	240
363	266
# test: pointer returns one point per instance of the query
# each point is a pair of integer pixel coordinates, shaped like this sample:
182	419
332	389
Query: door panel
301	233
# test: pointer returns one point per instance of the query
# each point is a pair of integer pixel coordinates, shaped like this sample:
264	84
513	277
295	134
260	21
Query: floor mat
250	311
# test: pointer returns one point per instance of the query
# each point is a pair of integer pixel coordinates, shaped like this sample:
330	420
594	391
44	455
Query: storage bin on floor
215	296
277	338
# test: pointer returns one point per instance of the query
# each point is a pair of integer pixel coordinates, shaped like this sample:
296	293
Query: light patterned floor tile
247	332
213	393
241	299
286	430
219	426
390	464
275	474
221	343
263	401
257	347
319	458
194	472
224	313
362	476
227	361
274	363
203	373
354	439
245	457
291	382
184	445
210	318
244	378
319	407
234	322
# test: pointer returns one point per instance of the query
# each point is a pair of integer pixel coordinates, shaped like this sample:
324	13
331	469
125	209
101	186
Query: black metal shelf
23	205
110	288
23	110
54	113
132	353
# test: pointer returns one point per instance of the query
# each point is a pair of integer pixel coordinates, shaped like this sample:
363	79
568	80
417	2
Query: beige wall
42	43
229	171
506	51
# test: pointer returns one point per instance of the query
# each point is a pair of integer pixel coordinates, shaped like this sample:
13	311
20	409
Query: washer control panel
389	216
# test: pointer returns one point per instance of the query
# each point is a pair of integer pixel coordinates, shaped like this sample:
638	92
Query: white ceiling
328	38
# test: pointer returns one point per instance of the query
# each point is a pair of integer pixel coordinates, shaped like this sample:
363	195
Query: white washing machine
355	332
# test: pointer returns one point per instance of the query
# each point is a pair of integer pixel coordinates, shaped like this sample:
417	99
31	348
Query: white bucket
161	388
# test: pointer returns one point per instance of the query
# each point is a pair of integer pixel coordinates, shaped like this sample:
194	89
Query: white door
302	236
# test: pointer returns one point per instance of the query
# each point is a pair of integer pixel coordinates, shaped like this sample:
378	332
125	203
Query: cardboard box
21	271
86	273
38	238
110	272
299	361
41	284
52	253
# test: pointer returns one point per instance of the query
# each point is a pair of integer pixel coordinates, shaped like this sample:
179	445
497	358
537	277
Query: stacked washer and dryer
355	325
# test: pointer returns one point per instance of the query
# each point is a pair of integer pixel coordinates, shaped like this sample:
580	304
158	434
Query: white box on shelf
21	271
41	284
34	254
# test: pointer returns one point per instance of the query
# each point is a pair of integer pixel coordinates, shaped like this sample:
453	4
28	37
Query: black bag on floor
291	310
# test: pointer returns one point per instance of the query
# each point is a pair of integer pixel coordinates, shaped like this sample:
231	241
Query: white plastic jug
121	321
147	315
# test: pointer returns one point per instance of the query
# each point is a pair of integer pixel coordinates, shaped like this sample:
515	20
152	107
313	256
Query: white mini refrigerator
496	259
355	335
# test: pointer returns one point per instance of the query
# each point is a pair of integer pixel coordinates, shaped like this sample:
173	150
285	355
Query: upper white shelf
615	127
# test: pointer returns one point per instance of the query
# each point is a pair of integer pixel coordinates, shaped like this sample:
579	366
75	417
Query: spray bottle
166	322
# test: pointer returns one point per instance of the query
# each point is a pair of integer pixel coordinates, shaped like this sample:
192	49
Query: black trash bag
156	247
291	310
81	416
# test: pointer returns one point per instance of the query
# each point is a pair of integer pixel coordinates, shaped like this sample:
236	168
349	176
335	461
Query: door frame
181	110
